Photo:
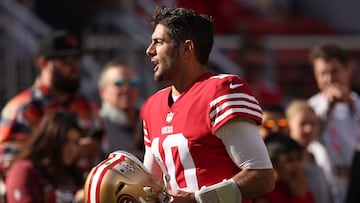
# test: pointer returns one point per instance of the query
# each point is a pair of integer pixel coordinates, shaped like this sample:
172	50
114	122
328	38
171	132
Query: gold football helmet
122	178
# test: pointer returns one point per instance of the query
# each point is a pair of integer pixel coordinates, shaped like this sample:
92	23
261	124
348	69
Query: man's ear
40	62
187	47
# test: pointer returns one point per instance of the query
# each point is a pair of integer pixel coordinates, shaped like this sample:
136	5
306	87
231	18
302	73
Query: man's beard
169	67
63	84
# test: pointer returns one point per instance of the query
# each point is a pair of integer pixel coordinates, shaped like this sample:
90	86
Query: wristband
226	191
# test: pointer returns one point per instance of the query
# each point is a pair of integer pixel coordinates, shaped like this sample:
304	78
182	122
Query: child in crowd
291	186
304	128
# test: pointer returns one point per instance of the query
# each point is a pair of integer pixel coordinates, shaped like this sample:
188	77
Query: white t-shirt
340	136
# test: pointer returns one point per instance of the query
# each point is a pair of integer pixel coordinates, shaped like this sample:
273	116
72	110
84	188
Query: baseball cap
60	43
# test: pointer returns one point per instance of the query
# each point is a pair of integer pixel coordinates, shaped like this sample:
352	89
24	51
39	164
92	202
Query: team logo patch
169	117
127	199
125	166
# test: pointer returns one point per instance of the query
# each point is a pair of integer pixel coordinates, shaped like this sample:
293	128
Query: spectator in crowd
59	62
201	131
353	195
46	169
273	121
304	129
338	108
291	186
119	93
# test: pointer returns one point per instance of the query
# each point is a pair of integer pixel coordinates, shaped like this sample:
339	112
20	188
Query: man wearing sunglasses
118	88
58	60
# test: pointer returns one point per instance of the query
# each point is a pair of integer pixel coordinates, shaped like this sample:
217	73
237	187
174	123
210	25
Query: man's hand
178	196
337	93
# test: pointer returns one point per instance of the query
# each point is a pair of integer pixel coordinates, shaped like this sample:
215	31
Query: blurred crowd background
273	35
268	42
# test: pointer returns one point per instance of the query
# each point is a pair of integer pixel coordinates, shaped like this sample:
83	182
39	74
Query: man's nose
150	50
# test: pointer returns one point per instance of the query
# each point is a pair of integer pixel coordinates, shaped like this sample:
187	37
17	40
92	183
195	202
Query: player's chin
158	76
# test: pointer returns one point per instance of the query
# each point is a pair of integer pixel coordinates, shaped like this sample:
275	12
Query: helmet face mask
122	178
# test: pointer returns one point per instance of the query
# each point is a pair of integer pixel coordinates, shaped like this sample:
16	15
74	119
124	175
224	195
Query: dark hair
45	145
186	24
274	108
48	138
279	144
329	51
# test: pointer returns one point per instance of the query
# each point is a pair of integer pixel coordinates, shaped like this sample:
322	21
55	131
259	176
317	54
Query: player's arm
151	164
246	148
248	151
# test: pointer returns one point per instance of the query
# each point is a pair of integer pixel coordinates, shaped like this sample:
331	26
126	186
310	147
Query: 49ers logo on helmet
127	199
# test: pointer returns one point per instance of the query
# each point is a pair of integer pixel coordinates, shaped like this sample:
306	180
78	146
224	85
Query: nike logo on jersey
233	86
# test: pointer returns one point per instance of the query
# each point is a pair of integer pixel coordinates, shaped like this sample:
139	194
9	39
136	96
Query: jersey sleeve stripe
146	132
235	110
147	140
232	96
225	105
234	103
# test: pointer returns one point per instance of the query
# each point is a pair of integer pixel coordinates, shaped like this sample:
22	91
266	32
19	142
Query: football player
201	132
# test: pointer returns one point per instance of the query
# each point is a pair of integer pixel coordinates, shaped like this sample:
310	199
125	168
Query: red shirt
182	136
24	111
25	183
281	194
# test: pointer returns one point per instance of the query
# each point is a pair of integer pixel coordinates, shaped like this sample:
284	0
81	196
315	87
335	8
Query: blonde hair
297	105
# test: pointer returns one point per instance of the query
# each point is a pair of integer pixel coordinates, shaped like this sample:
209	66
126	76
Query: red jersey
23	112
182	135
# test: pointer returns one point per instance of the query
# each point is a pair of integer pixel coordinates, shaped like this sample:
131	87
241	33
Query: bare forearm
253	183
